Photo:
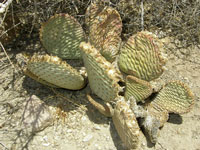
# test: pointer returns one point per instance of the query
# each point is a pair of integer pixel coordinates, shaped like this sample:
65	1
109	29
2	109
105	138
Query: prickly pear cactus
175	97
93	10
55	71
126	125
137	88
102	76
105	28
61	35
141	56
36	78
140	60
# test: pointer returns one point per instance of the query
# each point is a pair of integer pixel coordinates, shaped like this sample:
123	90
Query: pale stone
36	115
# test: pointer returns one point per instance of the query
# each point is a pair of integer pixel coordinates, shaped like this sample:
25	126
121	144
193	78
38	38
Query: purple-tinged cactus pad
105	27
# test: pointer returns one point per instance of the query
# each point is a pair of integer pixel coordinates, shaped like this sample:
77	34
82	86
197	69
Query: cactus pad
55	71
137	88
34	77
175	97
126	125
141	56
61	35
92	12
102	75
104	31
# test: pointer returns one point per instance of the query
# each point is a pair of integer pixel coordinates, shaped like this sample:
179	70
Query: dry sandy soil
36	117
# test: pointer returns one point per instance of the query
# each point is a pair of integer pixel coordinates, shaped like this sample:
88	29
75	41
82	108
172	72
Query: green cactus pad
104	31
34	77
126	125
61	35
137	88
141	56
175	97
56	72
102	75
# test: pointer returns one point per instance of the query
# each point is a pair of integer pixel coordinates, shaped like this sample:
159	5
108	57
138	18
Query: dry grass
177	18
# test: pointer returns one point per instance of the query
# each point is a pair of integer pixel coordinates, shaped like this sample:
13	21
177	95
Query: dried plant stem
4	146
71	101
10	29
7	56
142	15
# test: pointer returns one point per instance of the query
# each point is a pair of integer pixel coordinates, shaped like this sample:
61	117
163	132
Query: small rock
88	138
83	119
107	138
97	147
45	138
46	144
96	127
69	130
36	115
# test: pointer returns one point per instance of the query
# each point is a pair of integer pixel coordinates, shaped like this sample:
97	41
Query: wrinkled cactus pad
175	97
137	88
102	75
55	71
141	56
126	125
61	35
105	26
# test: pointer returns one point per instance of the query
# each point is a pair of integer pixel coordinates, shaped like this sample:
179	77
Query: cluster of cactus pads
119	72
